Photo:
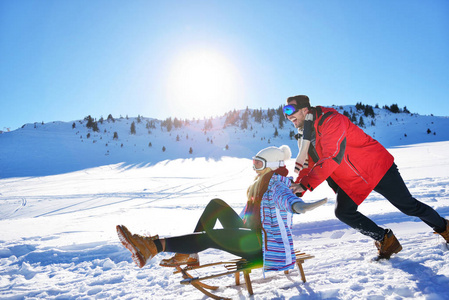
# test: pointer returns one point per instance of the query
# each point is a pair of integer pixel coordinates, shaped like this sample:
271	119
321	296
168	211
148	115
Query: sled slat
232	267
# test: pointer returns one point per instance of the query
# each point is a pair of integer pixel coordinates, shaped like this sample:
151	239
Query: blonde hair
254	190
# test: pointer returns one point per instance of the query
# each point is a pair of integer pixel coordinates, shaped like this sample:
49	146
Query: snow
62	194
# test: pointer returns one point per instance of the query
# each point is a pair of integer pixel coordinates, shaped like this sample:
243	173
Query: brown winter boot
181	259
388	246
445	234
141	247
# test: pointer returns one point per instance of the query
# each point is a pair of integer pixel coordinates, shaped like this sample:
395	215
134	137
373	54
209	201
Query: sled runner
232	267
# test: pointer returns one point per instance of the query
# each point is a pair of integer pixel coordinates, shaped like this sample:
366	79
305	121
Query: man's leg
393	188
346	211
385	241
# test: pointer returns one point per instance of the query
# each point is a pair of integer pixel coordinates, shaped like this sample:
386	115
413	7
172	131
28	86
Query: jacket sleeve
332	131
304	171
283	197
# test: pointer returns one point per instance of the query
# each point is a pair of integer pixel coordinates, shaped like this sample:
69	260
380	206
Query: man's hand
296	188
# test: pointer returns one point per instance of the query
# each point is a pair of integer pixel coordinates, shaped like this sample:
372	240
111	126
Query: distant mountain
59	147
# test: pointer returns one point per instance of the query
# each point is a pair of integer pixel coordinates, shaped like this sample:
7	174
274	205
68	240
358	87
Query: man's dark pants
393	188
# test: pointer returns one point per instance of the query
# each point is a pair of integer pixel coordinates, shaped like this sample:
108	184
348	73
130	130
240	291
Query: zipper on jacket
263	230
355	169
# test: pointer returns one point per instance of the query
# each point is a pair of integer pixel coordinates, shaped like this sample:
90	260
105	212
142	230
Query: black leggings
233	238
393	188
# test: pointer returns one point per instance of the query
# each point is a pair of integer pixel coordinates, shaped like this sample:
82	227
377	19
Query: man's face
298	117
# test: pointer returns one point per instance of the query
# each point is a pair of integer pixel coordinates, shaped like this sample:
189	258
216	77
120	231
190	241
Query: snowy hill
59	147
62	193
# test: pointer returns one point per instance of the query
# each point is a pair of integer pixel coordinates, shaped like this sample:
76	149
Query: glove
302	207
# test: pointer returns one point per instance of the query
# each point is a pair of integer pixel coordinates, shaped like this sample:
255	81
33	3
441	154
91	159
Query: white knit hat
275	157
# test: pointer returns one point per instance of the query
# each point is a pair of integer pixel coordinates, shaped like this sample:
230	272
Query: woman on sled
263	235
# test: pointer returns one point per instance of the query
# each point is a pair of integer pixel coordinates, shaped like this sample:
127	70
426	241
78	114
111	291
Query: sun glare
202	84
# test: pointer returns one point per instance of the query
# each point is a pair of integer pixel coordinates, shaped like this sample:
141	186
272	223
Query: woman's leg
217	209
241	242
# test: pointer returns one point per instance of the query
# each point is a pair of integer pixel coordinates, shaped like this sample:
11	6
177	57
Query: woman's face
258	164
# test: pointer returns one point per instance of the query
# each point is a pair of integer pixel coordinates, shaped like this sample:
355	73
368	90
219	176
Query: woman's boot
141	247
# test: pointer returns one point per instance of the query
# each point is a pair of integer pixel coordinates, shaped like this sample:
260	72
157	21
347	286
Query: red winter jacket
353	159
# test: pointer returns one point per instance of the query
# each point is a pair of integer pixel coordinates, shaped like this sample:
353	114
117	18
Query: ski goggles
290	109
260	163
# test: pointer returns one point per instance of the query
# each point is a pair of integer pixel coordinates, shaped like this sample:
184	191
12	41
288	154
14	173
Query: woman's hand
302	207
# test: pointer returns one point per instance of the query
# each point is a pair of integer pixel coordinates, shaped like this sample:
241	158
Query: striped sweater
276	217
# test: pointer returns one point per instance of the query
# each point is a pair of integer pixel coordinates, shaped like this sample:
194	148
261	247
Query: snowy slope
61	195
54	148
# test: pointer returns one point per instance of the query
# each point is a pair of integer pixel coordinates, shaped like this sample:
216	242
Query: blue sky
64	60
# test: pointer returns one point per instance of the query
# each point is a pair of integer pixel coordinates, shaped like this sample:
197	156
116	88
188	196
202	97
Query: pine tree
177	123
111	118
168	123
208	125
91	123
257	115
244	124
280	113
95	127
292	134
89	120
133	128
394	108
281	121
369	111
359	106
361	122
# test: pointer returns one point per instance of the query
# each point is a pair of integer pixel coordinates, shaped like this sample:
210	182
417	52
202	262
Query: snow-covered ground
61	198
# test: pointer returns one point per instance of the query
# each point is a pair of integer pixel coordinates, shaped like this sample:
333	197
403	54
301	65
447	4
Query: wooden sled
232	267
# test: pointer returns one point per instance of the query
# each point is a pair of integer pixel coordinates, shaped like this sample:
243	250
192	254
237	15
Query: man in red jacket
354	164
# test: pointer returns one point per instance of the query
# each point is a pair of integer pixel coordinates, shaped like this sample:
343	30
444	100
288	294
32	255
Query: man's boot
388	246
445	234
141	247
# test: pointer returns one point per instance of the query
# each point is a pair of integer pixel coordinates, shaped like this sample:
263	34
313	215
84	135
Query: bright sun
202	83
